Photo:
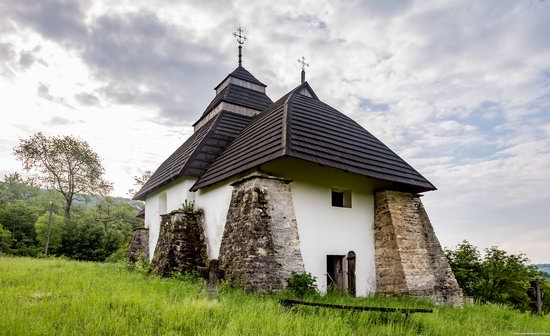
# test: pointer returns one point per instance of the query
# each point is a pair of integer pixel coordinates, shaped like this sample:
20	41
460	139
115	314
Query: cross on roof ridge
302	61
239	34
241	38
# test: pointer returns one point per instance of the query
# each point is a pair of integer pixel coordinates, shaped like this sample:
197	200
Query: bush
142	265
302	284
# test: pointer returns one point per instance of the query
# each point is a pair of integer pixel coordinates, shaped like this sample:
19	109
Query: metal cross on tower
302	61
241	38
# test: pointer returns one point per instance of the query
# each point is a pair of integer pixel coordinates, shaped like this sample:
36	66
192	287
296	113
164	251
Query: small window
341	198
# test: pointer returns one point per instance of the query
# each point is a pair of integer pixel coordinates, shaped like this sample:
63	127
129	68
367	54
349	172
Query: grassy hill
62	297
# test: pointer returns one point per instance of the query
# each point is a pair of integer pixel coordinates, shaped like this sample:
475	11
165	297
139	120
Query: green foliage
14	187
466	263
56	233
188	277
19	219
188	206
498	277
65	164
6	240
102	225
142	265
302	284
64	297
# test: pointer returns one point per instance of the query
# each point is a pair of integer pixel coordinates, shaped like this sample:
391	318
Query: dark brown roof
241	96
196	154
306	128
241	73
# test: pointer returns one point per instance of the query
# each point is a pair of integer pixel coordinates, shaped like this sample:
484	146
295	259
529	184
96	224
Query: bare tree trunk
49	230
68	204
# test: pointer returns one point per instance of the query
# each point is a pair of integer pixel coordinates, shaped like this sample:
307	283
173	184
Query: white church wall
164	201
215	203
327	230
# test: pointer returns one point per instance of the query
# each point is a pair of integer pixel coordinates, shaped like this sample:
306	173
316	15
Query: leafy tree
466	264
14	187
5	240
19	218
65	164
499	277
84	239
505	278
56	234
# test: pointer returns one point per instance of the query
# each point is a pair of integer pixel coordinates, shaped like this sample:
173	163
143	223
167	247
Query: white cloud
458	88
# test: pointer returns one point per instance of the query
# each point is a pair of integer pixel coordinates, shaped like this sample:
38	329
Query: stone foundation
409	258
139	246
181	246
260	247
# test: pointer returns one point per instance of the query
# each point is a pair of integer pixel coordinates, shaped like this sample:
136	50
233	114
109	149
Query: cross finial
239	34
241	38
302	61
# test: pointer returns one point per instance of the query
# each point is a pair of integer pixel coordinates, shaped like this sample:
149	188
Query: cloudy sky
460	89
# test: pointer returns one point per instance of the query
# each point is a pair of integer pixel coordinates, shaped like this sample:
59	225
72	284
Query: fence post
535	294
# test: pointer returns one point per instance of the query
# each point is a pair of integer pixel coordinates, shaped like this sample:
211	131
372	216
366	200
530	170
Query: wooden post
535	294
49	231
351	272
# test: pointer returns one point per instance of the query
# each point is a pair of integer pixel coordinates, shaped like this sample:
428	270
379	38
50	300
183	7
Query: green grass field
61	297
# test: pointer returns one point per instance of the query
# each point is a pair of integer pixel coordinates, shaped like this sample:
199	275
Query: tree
139	181
465	262
19	218
505	278
65	164
15	187
499	277
5	240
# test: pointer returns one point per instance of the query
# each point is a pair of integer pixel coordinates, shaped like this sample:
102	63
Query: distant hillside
545	268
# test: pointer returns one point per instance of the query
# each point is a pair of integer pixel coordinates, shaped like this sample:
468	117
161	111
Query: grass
63	297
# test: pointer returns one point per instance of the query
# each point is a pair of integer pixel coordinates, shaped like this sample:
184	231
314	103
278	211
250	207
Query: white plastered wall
176	193
215	203
327	230
213	200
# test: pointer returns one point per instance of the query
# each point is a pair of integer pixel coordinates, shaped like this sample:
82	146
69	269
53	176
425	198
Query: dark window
341	198
337	199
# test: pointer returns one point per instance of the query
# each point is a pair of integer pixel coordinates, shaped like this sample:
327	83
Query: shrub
302	284
188	206
142	265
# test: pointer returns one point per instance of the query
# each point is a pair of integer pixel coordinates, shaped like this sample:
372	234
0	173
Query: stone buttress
260	247
139	246
409	258
181	246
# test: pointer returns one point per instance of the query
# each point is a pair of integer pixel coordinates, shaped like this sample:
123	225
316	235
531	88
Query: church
294	185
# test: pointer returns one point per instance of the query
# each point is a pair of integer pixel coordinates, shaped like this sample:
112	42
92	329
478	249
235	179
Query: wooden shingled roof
241	73
301	126
241	96
196	154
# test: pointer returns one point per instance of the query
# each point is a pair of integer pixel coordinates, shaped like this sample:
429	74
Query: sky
459	89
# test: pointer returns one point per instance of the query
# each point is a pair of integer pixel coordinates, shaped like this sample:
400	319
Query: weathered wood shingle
196	154
241	96
303	127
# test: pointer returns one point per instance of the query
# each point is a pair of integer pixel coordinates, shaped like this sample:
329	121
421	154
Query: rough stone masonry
181	246
260	247
409	258
139	245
